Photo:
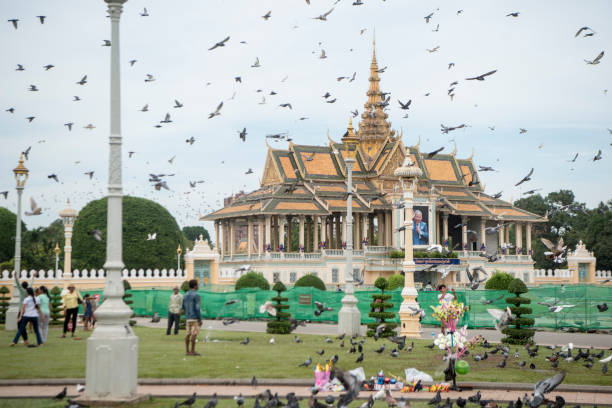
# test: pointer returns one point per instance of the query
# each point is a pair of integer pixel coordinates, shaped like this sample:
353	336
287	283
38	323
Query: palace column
232	237
388	226
338	232
357	230
371	229
323	228
528	238
438	228
217	242
394	225
289	220
501	235
445	228
483	233
260	237
507	233
308	237
224	240
301	232
331	243
281	232
364	229
268	227
249	236
464	228
315	233
344	239
518	236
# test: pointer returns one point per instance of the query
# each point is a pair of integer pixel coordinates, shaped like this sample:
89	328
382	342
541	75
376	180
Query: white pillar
483	232
349	317
68	224
364	229
323	229
268	237
260	237
232	237
528	238
518	236
445	227
464	228
15	303
250	242
112	348
344	236
217	242
301	232
281	231
315	233
388	228
500	238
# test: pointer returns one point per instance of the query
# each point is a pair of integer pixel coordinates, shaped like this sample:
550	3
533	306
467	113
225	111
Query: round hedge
310	281
499	281
517	287
140	218
252	280
381	283
395	281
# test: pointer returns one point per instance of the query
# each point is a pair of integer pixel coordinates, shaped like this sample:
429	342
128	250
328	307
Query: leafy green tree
377	310
310	280
281	324
38	245
520	333
140	218
252	280
395	281
499	281
193	233
8	223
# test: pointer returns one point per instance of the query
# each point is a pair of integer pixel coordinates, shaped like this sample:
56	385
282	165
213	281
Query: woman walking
71	299
43	300
29	313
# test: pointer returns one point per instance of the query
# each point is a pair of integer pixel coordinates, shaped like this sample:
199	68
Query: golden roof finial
350	128
472	155
454	152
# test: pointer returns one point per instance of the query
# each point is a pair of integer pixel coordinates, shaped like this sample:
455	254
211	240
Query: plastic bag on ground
412	374
358	373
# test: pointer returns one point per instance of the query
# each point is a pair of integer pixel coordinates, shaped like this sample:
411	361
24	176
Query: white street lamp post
57	251
112	348
68	216
349	318
408	174
21	175
179	251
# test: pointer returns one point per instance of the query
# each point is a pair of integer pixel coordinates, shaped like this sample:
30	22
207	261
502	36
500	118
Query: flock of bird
187	209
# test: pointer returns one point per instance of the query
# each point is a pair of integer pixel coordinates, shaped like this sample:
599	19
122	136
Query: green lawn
164	356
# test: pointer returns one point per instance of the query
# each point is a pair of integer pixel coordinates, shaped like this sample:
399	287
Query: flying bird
14	21
526	178
581	29
34	208
428	17
144	13
256	64
482	77
83	80
597	59
597	156
96	234
177	104
149	78
405	106
432	154
106	43
242	134
515	14
220	43
323	17
217	111
267	15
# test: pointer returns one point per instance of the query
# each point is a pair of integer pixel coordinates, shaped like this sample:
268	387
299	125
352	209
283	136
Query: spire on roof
374	127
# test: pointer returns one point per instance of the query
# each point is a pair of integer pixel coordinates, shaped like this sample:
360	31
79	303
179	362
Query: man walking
174	310
193	316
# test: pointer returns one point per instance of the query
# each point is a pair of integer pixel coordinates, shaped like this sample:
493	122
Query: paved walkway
545	338
179	392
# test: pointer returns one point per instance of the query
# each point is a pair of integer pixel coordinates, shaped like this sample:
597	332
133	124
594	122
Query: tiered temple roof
311	180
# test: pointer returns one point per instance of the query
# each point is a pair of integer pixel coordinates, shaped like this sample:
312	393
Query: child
88	315
445	297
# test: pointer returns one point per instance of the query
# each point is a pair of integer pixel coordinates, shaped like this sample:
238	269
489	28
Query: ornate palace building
304	188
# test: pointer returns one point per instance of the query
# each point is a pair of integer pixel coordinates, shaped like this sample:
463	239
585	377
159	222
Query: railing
95	274
556	273
603	274
334	252
472	253
378	249
358	252
275	255
240	257
312	255
293	255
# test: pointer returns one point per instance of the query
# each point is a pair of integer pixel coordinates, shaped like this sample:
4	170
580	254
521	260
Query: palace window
292	277
275	277
335	275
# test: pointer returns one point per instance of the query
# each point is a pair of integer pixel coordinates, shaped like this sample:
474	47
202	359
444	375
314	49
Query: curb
599	389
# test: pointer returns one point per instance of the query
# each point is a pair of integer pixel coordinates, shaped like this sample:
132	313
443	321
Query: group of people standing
191	305
35	312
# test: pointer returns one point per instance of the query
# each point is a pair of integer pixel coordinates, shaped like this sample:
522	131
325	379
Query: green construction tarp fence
583	315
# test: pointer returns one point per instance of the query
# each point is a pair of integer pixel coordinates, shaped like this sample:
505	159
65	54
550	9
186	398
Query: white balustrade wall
83	275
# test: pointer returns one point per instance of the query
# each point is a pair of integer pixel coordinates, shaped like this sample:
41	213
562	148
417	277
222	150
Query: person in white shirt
29	313
445	297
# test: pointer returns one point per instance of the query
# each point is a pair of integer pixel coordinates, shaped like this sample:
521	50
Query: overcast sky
542	84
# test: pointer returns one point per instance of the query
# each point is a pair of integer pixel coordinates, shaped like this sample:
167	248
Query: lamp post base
112	364
10	323
349	317
410	323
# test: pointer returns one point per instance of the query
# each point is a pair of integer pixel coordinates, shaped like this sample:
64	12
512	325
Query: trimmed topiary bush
310	280
377	310
395	281
281	325
55	306
126	298
4	303
252	280
499	281
520	333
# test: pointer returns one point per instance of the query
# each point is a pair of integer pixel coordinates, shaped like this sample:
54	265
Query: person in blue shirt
193	316
420	233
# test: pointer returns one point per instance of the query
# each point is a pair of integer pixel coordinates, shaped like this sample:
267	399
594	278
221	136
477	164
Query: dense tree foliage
499	281
193	232
140	218
252	280
572	221
8	221
310	280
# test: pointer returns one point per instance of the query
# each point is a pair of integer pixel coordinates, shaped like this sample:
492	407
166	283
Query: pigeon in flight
428	17
597	59
432	154
96	234
89	127
151	237
405	106
514	14
242	134
145	108
597	156
177	104
526	178
54	177
33	88
482	77
90	174
267	15
144	13
323	17
132	62
220	43
83	80
166	119
217	111
191	140
583	29
149	78
14	21
256	64
35	209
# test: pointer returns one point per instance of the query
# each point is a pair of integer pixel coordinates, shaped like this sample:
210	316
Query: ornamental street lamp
349	318
57	251
408	174
21	176
179	251
68	215
112	348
